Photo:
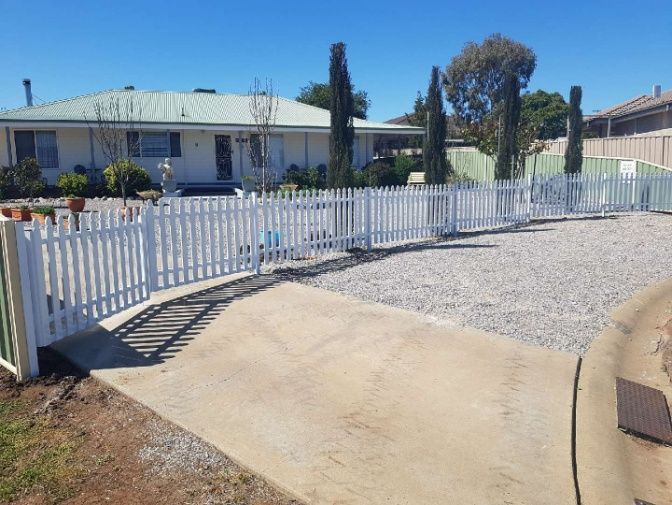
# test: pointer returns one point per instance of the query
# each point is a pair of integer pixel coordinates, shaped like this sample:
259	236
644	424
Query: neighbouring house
206	134
394	144
641	114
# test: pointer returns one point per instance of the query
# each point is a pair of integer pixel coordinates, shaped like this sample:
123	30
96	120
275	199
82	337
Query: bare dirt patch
68	439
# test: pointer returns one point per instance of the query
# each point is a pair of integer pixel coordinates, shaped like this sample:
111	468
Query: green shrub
72	185
5	182
381	174
359	178
312	178
45	211
404	165
137	178
27	176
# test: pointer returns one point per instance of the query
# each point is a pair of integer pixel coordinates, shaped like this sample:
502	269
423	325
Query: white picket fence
83	272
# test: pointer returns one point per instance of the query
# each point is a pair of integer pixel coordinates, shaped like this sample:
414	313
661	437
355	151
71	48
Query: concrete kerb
613	467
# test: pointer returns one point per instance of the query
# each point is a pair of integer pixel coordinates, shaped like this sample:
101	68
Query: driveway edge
613	467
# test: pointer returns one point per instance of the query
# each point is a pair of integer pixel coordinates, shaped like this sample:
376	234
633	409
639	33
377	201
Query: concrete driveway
341	401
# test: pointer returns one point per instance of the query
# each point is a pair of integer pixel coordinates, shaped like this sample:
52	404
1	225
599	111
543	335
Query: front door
223	157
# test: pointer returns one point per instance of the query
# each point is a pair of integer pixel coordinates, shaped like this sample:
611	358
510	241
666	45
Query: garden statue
168	182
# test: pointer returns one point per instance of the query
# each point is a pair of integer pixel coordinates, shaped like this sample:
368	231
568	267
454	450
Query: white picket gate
80	273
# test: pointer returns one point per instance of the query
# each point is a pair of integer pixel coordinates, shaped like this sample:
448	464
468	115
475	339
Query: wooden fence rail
75	273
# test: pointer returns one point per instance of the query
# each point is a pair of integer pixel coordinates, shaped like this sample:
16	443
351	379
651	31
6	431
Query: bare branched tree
264	109
113	119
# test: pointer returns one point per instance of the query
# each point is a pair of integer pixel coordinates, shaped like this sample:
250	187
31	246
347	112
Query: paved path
341	401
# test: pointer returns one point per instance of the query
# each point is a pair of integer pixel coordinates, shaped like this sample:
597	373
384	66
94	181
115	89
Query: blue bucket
268	239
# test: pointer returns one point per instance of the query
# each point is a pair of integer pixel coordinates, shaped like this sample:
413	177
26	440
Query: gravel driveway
549	283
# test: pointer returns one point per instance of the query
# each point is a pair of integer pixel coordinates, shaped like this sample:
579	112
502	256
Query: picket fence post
367	217
17	301
604	194
453	210
148	234
530	187
255	232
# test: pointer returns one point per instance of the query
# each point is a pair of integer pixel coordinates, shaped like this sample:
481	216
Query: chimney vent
29	92
129	87
656	91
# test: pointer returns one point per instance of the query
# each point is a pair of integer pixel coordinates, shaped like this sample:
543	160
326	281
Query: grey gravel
549	283
170	449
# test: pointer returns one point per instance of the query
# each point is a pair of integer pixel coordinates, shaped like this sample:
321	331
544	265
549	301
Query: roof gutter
28	123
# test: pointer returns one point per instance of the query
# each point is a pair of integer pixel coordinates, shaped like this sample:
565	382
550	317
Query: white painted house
206	134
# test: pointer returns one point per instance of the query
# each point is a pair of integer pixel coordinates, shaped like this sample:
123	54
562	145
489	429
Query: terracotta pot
21	215
75	204
6	211
42	218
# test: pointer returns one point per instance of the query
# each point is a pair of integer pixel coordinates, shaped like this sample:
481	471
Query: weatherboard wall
197	163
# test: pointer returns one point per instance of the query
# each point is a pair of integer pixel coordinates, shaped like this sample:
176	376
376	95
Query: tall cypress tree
507	147
574	152
342	110
434	147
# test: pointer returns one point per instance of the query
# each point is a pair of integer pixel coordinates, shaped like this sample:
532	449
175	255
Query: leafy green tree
546	113
543	117
342	109
475	82
574	152
434	148
417	118
319	95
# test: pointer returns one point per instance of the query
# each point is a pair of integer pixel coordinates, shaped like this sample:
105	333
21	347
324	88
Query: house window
39	144
154	144
276	148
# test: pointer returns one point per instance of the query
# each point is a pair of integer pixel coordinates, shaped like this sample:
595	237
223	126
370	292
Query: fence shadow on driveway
159	331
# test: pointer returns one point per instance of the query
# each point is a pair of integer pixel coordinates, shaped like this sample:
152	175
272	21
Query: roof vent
130	87
205	90
655	93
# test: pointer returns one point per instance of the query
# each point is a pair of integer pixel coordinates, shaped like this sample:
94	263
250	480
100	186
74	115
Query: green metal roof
186	108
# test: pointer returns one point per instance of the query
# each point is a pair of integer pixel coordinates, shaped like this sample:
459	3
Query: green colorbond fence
480	167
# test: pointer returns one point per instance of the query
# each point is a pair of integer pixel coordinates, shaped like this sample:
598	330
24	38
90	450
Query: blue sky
614	49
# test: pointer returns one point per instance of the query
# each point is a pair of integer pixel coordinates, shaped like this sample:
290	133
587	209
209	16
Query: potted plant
73	186
42	213
249	183
21	213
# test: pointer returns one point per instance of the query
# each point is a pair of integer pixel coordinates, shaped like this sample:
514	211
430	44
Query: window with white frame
38	144
276	150
153	144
